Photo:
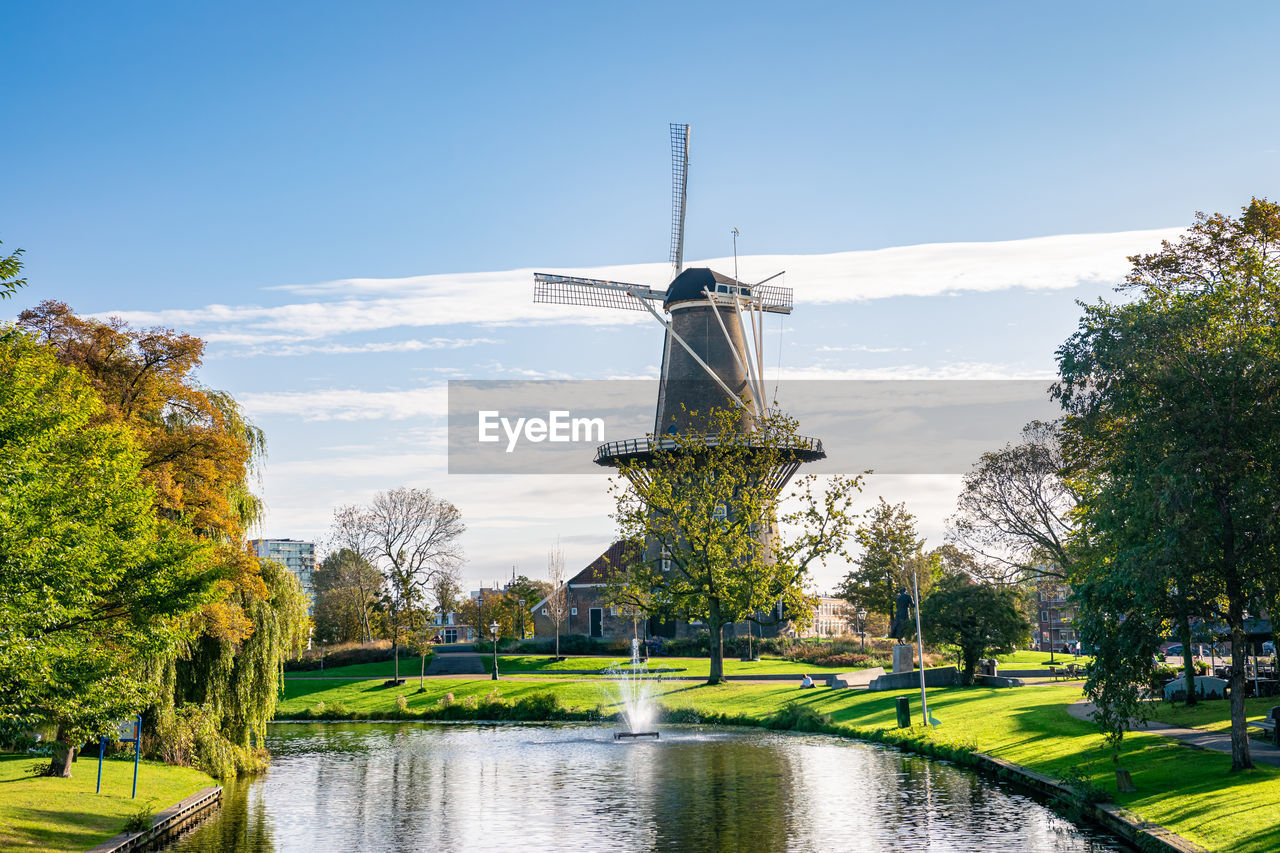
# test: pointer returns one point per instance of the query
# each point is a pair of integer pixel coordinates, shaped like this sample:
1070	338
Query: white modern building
295	555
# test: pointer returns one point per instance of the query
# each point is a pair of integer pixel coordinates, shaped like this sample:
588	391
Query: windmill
712	355
713	351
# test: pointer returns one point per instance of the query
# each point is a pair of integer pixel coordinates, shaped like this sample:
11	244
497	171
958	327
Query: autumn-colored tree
90	585
198	453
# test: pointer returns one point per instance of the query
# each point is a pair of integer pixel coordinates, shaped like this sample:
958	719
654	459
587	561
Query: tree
978	619
199	453
347	588
413	538
523	588
482	610
558	600
1172	434
891	549
706	503
10	267
90	586
1014	509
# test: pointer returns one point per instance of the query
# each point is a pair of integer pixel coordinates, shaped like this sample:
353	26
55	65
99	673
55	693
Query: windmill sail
592	292
679	185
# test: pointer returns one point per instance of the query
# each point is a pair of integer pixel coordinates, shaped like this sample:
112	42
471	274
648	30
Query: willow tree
717	548
1173	434
199	452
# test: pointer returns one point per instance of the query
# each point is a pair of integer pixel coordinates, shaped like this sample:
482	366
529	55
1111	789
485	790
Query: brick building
586	611
588	614
1053	617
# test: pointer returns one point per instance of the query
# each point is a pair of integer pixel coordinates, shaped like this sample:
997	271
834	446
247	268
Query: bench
1268	724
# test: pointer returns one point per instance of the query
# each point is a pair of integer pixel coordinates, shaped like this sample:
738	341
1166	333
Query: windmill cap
693	283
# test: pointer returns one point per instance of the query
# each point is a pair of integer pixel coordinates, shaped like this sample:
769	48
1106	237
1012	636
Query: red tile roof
618	557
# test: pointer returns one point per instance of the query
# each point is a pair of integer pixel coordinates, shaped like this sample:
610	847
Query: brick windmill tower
712	354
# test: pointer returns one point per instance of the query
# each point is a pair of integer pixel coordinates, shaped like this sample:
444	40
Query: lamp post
493	629
862	627
520	601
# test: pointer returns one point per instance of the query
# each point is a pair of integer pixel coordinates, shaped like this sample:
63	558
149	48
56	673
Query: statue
901	629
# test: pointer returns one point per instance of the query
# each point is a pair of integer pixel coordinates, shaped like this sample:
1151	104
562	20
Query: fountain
633	688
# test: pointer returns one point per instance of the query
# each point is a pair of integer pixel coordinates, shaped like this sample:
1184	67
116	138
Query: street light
493	629
521	602
862	628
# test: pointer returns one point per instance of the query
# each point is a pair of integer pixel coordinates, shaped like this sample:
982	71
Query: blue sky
160	159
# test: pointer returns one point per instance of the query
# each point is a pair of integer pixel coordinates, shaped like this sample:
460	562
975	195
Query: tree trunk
970	667
1188	660
422	676
63	755
395	654
716	626
557	639
1240	759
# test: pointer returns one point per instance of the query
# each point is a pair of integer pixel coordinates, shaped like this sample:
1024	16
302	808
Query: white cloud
349	404
345	349
505	298
862	348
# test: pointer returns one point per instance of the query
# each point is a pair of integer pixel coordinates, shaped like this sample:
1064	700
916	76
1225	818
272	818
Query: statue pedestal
904	658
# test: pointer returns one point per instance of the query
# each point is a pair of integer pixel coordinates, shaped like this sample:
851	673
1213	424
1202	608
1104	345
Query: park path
455	660
1261	753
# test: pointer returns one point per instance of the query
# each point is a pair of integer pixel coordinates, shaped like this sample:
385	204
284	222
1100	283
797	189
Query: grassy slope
542	664
42	813
1189	791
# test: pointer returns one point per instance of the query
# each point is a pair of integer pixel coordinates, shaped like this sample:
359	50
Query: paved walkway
1261	753
456	663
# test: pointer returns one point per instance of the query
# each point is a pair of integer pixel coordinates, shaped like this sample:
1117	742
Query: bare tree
558	600
413	538
1014	511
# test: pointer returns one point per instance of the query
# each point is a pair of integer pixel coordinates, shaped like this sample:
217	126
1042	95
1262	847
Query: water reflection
393	787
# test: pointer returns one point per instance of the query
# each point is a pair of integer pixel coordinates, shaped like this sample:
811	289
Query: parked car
1174	651
1269	648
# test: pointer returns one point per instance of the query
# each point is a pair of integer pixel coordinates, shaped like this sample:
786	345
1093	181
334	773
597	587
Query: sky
347	201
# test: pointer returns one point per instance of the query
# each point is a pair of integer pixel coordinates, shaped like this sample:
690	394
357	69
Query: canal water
411	786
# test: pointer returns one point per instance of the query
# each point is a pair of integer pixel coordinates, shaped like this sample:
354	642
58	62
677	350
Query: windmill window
573	611
721	512
666	560
544	611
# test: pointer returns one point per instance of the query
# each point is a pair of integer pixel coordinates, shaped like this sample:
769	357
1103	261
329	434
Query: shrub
402	704
346	655
141	820
800	718
1086	792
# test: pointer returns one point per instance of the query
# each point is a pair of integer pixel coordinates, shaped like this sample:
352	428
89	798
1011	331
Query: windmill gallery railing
613	452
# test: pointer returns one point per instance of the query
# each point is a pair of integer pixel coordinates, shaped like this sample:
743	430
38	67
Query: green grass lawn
700	667
1192	792
1209	714
40	813
543	664
1038	660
